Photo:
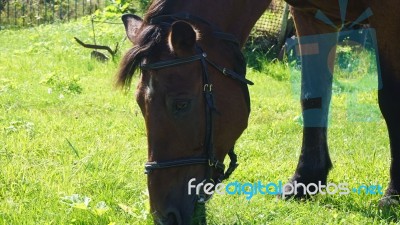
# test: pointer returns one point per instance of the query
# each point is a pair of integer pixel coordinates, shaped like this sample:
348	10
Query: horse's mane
149	36
149	44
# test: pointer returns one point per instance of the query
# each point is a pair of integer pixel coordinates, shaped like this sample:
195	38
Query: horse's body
182	122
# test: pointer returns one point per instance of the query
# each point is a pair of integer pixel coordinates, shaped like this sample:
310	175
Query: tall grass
72	148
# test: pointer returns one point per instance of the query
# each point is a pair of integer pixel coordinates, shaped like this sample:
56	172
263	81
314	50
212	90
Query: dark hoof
390	199
299	188
389	202
289	191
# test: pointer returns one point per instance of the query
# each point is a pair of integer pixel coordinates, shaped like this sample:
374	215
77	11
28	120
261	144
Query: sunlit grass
72	148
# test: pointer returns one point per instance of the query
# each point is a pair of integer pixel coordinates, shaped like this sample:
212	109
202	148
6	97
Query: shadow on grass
259	50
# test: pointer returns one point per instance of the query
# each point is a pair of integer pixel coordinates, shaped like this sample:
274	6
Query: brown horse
194	98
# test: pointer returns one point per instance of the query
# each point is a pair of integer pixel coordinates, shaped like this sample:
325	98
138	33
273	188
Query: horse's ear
182	38
132	24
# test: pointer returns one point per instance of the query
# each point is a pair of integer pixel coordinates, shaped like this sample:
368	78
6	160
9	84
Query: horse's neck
231	16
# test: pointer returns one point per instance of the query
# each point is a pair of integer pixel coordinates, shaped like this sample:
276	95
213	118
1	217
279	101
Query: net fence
270	22
272	28
23	13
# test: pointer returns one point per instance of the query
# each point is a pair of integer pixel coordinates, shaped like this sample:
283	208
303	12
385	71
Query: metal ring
224	71
207	88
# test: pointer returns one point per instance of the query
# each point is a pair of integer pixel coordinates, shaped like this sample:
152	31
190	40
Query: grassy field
72	148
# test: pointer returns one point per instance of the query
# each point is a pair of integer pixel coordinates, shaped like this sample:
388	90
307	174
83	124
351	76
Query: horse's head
194	102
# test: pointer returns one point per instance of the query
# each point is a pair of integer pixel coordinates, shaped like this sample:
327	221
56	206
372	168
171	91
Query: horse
192	92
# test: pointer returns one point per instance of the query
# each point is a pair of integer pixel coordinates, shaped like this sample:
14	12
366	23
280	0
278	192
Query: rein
209	159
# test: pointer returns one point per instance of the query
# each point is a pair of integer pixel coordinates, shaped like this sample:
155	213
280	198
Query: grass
72	148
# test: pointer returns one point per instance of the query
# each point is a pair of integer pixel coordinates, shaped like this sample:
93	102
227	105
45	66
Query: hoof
301	189
390	199
389	202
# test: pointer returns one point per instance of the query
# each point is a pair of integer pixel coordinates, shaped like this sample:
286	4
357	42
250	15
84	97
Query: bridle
209	159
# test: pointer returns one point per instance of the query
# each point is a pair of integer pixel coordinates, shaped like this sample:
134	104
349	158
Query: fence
17	13
273	27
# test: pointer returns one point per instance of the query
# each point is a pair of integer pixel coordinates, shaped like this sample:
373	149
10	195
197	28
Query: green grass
72	148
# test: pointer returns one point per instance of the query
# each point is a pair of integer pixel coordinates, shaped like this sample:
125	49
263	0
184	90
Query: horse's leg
317	47
388	29
389	103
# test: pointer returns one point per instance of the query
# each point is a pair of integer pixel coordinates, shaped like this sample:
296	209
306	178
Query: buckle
224	71
207	88
210	163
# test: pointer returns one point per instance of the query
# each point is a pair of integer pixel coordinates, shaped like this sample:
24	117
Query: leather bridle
209	159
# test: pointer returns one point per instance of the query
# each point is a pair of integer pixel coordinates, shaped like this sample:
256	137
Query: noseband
209	159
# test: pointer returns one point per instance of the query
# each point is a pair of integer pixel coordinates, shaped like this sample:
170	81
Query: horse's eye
181	105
